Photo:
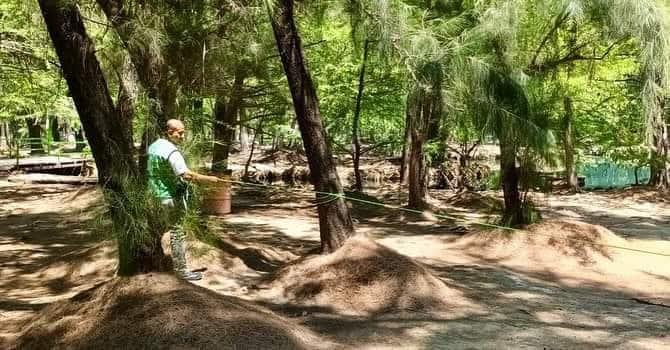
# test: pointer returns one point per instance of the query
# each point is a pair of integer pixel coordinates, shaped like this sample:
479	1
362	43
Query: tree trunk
418	186
34	136
513	212
416	164
426	110
109	129
259	131
660	155
55	129
244	132
569	146
335	224
356	137
4	141
225	116
461	166
79	139
406	146
151	69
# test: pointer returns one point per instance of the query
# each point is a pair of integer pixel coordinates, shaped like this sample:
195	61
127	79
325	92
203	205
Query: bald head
175	131
174	124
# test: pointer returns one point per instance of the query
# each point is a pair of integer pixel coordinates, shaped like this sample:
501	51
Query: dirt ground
539	292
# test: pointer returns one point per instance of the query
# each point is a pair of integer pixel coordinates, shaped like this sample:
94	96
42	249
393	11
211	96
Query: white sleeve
177	163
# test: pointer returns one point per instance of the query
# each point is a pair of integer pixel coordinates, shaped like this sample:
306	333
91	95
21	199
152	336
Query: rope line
335	196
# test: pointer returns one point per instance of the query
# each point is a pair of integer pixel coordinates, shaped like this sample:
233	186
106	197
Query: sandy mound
160	311
361	278
548	242
475	200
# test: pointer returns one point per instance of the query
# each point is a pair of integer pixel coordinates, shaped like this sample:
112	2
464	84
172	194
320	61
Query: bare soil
562	284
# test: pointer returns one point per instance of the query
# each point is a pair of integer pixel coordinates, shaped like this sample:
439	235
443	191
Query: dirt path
47	253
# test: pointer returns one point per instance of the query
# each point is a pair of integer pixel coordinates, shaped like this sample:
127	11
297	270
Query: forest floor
542	291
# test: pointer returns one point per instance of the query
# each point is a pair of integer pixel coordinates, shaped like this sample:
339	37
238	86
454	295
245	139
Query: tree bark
225	116
259	131
569	146
335	224
108	128
513	211
426	111
406	146
34	136
356	137
244	132
54	128
151	69
80	140
660	166
416	163
660	155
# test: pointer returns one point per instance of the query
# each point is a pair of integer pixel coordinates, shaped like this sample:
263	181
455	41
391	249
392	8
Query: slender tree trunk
418	187
416	164
461	165
356	137
660	155
244	132
79	139
108	128
55	130
426	111
225	116
569	146
335	224
259	131
4	142
35	136
513	212
406	146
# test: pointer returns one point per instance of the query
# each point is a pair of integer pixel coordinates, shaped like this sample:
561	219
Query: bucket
217	199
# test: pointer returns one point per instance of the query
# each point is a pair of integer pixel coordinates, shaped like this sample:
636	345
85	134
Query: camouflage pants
177	235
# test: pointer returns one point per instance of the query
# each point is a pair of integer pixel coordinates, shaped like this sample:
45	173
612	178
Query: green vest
163	182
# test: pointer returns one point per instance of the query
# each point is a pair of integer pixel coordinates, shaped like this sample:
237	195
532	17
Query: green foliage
137	219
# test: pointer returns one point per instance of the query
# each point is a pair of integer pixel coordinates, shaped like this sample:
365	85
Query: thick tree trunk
335	223
356	137
225	116
513	211
34	136
569	146
109	130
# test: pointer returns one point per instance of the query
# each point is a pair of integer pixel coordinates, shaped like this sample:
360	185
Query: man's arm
195	177
180	169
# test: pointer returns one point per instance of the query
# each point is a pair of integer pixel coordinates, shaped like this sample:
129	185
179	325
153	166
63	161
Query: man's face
176	134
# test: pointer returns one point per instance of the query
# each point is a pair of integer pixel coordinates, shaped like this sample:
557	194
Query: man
168	174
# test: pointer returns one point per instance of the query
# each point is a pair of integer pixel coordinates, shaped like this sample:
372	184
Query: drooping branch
570	57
